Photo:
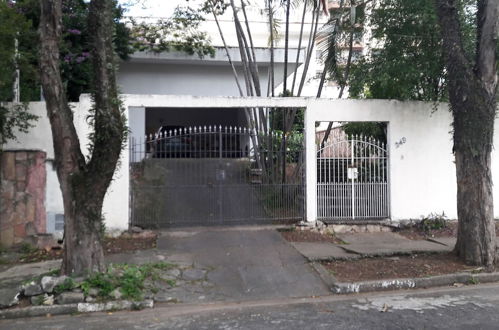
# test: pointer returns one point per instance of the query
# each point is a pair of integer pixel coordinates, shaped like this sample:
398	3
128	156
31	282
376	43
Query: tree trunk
83	251
234	71
83	184
286	48
472	96
476	229
300	38
271	27
311	43
474	113
252	47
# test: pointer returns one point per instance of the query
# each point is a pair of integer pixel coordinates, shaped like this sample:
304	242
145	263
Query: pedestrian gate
215	176
352	180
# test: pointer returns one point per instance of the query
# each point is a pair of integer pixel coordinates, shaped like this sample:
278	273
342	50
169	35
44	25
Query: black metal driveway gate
215	176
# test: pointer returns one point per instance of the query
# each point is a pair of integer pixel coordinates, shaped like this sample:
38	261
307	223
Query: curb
413	283
34	311
324	274
354	256
395	253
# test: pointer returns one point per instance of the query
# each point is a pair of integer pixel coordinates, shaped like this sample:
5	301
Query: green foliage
344	25
22	21
15	24
376	130
21	18
104	282
130	279
68	285
38	300
294	144
179	32
277	118
12	118
26	248
406	62
52	272
433	221
171	283
76	66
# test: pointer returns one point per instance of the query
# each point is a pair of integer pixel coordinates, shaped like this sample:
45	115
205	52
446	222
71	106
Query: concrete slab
448	241
379	244
247	265
451	241
29	270
315	251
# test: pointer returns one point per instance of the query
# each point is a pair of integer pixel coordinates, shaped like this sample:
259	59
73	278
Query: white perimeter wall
422	172
421	169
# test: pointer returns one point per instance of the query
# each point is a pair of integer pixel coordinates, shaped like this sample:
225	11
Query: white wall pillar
137	126
311	165
137	121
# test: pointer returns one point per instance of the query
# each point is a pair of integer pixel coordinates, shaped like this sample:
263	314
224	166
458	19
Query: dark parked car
167	145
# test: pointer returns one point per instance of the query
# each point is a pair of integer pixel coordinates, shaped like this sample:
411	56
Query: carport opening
192	117
217	166
196	133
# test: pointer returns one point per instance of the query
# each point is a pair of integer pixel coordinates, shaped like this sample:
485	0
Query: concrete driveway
245	263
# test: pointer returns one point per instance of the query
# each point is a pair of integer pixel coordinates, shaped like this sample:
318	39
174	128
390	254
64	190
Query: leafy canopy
405	60
19	21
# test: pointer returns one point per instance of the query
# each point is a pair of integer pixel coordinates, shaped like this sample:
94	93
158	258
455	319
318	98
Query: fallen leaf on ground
384	309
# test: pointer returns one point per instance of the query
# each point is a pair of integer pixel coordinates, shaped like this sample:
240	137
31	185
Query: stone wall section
22	200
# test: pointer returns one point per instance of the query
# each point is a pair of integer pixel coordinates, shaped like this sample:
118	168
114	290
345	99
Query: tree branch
68	155
487	30
109	123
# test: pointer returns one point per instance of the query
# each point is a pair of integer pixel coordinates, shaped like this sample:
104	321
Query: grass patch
27	248
68	285
38	300
433	221
171	283
129	279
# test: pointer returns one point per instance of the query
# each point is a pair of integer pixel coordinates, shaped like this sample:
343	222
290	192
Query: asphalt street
469	307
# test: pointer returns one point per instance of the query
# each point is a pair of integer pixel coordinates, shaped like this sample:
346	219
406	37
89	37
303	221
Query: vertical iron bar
353	184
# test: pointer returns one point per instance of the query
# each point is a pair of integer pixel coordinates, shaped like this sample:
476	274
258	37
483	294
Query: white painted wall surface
53	199
137	122
183	79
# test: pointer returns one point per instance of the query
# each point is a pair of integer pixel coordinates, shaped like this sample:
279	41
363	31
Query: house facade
409	176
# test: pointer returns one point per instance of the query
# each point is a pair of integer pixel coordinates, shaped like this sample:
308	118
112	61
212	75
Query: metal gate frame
353	180
228	165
